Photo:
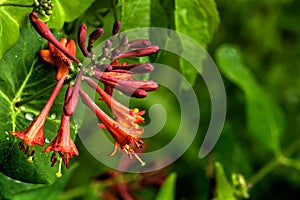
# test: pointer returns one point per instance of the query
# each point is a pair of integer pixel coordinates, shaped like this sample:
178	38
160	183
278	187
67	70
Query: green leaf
12	18
167	190
199	20
162	14
23	74
135	14
224	190
12	189
67	11
264	117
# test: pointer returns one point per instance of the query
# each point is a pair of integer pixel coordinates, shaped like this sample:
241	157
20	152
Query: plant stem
114	3
280	160
263	172
35	96
17	5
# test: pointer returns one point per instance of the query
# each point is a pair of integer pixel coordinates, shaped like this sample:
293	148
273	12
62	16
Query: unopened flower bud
95	35
108	44
45	32
81	36
124	41
116	28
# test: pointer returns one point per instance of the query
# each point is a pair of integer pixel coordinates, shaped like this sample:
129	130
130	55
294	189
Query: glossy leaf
167	190
24	74
67	11
12	18
264	118
199	20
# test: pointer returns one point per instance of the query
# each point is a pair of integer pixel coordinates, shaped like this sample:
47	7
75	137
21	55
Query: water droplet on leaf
53	116
47	141
29	116
23	108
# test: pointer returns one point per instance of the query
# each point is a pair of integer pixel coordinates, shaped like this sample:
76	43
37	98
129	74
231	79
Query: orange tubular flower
34	134
63	144
55	56
124	139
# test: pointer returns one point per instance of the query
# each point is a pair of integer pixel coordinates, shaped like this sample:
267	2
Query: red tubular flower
138	68
45	32
127	85
72	101
140	43
63	144
55	56
34	134
123	137
139	52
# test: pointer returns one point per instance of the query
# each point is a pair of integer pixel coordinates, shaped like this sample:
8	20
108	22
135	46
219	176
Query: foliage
255	45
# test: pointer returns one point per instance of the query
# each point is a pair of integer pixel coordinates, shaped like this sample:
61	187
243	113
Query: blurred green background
256	45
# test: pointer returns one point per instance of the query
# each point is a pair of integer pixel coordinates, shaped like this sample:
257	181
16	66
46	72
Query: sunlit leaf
12	18
199	20
67	11
135	14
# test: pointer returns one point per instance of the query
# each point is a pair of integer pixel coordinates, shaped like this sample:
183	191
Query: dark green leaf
12	18
263	115
199	20
67	11
12	189
224	190
23	74
167	190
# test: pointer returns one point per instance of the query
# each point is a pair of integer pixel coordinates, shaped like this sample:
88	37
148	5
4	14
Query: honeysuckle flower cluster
105	68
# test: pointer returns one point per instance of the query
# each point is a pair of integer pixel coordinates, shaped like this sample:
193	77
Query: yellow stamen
30	159
129	151
59	174
140	160
114	151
